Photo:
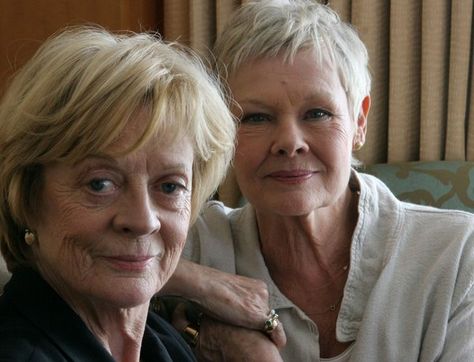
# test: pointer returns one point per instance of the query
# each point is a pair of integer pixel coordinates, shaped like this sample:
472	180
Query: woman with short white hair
351	272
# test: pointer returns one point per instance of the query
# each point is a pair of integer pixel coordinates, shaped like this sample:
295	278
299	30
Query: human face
296	135
111	228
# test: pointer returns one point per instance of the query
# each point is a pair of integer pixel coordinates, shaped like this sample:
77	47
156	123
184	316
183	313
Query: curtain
421	61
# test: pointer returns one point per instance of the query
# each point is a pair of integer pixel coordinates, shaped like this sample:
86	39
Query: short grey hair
268	28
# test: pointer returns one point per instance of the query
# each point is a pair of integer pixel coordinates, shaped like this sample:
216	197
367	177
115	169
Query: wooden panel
24	24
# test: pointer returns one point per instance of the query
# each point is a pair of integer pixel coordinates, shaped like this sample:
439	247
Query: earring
358	145
30	237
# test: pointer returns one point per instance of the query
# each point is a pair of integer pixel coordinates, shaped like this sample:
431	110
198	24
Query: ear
361	129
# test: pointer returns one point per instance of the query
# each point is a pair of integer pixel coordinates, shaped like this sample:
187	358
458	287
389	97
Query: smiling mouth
130	262
291	177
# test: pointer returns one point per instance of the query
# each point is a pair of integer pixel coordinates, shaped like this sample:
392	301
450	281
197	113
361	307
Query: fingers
236	300
274	329
189	329
278	336
186	325
179	319
220	341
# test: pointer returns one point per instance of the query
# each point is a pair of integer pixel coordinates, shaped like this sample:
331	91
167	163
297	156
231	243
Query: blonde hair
77	94
269	28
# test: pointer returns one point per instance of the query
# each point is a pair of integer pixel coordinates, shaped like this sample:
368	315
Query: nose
289	139
137	215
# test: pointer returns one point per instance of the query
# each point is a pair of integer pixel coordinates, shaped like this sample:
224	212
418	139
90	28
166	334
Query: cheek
337	141
252	138
174	238
248	153
61	213
174	230
78	252
68	256
68	236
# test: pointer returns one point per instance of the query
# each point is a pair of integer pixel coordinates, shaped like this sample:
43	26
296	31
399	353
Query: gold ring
190	335
271	323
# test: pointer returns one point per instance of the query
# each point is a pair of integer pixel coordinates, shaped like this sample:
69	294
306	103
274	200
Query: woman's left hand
230	298
217	338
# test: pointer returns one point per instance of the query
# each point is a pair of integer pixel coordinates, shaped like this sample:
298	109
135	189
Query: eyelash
262	117
322	113
177	187
252	118
92	183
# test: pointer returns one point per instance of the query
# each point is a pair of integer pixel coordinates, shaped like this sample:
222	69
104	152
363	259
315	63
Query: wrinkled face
112	228
296	134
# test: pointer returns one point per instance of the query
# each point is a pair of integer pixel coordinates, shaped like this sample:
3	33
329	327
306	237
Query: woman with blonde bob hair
109	146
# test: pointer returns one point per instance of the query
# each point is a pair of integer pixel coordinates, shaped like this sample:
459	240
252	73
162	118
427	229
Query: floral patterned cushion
444	184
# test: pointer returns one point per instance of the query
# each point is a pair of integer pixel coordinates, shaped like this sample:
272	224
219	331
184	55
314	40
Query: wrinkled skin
220	341
292	162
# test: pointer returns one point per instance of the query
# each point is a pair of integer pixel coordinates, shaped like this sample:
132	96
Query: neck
120	331
308	259
321	239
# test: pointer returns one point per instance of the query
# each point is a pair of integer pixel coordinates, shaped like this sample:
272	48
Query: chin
129	294
294	211
289	206
132	301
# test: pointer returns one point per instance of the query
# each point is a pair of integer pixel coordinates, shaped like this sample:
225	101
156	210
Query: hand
223	342
230	298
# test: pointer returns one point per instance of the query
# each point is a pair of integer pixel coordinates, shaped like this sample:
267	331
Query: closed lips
291	174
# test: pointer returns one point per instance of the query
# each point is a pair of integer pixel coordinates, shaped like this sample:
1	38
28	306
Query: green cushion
444	184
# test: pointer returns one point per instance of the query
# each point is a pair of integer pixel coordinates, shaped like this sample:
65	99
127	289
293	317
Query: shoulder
449	228
22	342
210	239
418	236
36	325
380	203
214	210
379	196
213	219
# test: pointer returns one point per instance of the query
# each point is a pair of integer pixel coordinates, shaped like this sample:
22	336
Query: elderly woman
352	273
109	145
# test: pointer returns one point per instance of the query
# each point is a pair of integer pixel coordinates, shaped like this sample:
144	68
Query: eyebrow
328	97
252	102
100	157
164	164
320	94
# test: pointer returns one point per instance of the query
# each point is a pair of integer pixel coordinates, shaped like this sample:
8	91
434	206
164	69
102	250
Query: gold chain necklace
337	276
332	307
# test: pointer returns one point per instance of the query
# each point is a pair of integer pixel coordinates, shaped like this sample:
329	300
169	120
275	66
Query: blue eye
317	114
168	187
255	118
100	185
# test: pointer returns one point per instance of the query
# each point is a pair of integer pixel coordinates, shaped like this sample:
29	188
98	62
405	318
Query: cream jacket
409	294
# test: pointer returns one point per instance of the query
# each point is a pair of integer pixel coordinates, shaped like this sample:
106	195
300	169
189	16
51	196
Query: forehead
142	130
140	143
131	133
152	158
303	75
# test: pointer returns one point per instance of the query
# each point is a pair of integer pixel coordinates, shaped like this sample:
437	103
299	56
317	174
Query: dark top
37	325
